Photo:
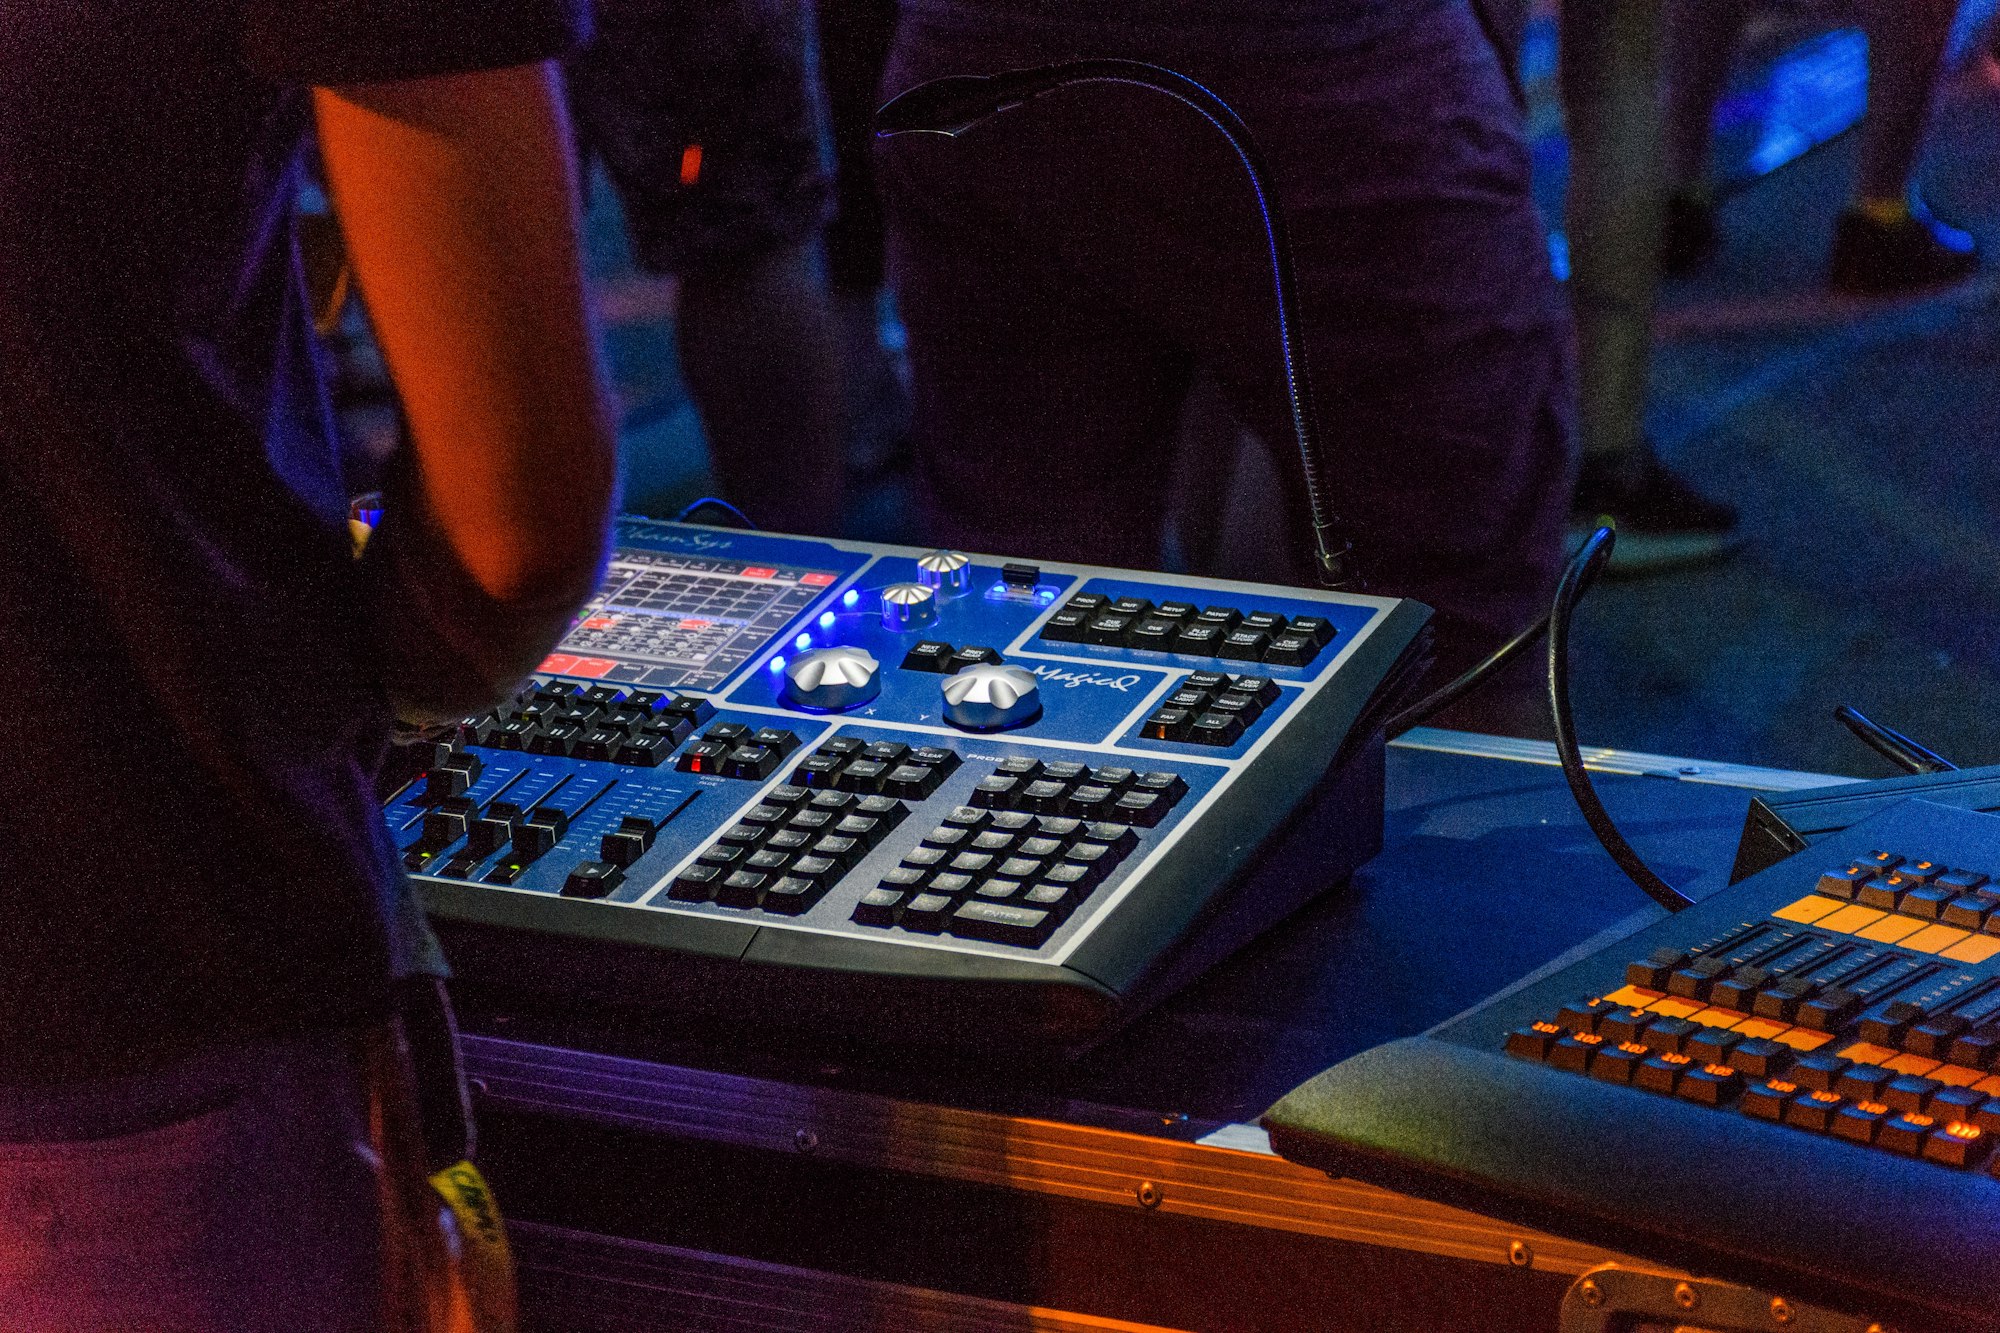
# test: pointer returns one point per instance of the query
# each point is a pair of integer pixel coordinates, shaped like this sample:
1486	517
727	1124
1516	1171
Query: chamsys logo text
1069	680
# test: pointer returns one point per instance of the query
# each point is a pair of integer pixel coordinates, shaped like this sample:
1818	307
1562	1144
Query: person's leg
1886	240
1044	402
758	350
234	1194
709	119
1701	38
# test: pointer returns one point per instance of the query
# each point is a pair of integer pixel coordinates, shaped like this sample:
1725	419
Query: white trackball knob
947	571
830	680
991	697
908	606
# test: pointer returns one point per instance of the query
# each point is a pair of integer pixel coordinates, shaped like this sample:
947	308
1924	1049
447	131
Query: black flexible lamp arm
950	106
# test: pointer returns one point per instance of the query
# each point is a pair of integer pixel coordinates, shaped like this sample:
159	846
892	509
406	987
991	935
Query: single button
1533	1042
936	756
1957	1143
1176	611
1050	896
1242	705
1887	1025
1863	1082
1021	577
1975	1049
1689	984
1814	1110
863	829
903	878
1667	1034
1193	700
1960	881
1760	1057
1226	616
1002	923
1819	1072
911	782
996	792
966	816
597	745
704	757
1244	645
1043	797
693	707
973	655
818	868
1583	1015
843	852
744	833
1830	1010
1713	1046
621	849
1317	628
752	762
1624	1024
1709	1084
810	820
1093	859
991	841
972	863
1214	728
1884	892
1660	1073
1934	1037
926	913
863	775
1859	1121
1266	622
696	884
1199	639
1653	971
1167	724
1616	1063
924	859
1910	1093
1021	867
1153	635
935	656
642	751
1142	808
1066	626
742	888
1062	828
1767	1100
1089	602
1291	650
1109	630
1121	839
999	890
878	907
1949	1104
1572	1053
789	895
1845	882
533	839
951	882
1882	860
1968	911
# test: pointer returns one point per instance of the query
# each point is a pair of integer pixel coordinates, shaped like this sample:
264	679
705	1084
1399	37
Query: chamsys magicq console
920	798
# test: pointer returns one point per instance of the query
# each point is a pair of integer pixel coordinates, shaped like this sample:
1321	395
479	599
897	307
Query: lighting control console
832	783
1794	1083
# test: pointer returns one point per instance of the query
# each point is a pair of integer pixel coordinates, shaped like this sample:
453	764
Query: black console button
926	913
1317	628
867	776
1136	607
1176	611
1956	1143
1291	650
1264	622
1200	639
593	879
1767	1100
912	782
1760	1057
704	757
1216	728
1709	1084
1021	577
1065	626
1019	767
996	792
1108	629
1845	882
752	762
1814	1110
1244	645
1533	1042
931	655
1143	808
1910	1093
1154	635
1859	1121
1969	911
788	895
644	751
936	756
1167	724
1819	1072
1226	617
1090	603
972	655
696	884
1002	923
878	907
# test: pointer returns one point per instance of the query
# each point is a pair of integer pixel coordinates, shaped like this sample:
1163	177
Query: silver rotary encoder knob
947	571
991	697
907	606
831	680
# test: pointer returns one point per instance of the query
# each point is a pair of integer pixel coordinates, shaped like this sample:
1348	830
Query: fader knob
907	606
991	697
947	571
832	679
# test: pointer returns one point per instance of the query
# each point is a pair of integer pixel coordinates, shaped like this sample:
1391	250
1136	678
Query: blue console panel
881	775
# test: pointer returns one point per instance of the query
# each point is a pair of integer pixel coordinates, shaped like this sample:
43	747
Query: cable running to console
1577	577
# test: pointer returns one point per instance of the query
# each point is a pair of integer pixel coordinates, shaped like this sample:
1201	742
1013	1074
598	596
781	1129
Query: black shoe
1663	522
1873	257
1691	235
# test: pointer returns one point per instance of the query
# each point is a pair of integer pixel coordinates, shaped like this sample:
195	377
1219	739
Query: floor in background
1858	441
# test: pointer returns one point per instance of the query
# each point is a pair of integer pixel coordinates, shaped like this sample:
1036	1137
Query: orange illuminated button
1533	1042
1905	1133
1957	1144
1661	1072
1616	1063
1815	1110
1710	1084
1860	1120
1767	1100
1573	1053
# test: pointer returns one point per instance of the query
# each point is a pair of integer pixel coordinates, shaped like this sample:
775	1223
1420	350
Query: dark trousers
1066	272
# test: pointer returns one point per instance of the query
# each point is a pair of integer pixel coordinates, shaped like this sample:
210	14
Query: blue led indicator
850	598
803	642
1047	594
826	620
776	664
